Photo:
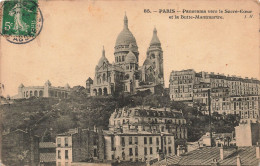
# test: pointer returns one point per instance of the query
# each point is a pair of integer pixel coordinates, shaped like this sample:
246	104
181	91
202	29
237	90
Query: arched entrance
95	92
41	93
59	94
105	91
36	93
99	91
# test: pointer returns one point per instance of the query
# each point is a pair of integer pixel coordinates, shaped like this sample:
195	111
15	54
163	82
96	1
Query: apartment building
229	94
138	146
154	120
78	145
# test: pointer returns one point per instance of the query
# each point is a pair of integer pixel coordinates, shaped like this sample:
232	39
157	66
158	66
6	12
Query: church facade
125	74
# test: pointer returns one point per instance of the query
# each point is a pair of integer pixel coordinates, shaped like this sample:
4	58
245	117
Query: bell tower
155	55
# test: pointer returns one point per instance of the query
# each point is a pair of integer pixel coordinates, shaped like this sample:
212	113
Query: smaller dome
130	58
103	59
147	62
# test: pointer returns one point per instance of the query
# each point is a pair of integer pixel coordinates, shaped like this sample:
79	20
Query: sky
74	32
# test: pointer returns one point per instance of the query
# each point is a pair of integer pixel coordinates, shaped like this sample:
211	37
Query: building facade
20	148
125	74
138	146
229	94
247	133
42	91
47	153
78	145
149	122
143	134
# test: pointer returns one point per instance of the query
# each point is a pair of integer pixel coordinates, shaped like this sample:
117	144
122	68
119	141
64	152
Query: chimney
221	151
179	150
238	161
215	162
257	151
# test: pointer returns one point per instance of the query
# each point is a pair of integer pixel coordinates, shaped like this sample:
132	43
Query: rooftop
205	156
48	157
139	133
47	145
147	112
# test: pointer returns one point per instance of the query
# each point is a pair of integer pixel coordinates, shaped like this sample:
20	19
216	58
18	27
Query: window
145	150
136	151
145	140
59	156
94	141
169	140
130	152
66	154
157	141
59	142
130	140
157	149
151	150
169	150
66	141
122	141
136	140
162	130
151	140
112	142
95	152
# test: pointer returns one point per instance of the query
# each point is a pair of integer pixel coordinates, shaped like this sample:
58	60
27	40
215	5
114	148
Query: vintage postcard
99	83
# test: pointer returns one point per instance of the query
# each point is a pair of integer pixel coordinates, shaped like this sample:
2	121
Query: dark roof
198	74
68	133
48	157
150	113
89	79
77	88
205	156
47	145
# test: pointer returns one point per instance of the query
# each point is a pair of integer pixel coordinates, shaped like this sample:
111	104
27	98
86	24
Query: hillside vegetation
47	117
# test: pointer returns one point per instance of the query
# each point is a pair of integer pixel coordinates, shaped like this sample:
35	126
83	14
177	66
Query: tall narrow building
152	70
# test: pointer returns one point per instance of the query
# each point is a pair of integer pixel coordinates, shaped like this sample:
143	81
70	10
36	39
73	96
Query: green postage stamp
21	20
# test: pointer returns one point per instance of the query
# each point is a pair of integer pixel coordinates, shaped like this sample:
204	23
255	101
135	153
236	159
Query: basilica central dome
125	37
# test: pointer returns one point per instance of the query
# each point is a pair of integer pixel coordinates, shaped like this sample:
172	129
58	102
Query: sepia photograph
129	83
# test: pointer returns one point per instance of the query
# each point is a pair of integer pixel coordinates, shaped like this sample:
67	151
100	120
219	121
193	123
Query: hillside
46	116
